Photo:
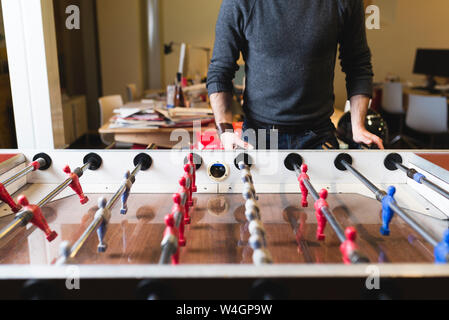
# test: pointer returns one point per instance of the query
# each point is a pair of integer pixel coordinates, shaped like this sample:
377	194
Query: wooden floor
218	233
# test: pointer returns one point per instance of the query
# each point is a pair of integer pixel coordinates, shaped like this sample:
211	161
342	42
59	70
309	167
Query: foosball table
213	224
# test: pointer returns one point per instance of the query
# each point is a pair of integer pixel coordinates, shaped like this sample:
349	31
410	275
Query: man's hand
359	108
361	135
221	104
231	141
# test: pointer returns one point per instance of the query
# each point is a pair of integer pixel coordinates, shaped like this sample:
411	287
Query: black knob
47	159
94	161
144	160
292	160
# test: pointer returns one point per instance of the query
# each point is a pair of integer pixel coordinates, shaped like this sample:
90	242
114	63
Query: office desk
159	136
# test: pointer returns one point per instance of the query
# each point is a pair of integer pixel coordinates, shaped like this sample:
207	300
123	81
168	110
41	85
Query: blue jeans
264	137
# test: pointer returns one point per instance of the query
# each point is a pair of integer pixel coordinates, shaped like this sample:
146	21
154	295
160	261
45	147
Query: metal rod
380	194
435	188
424	233
423	180
18	175
20	221
23	172
97	222
54	193
13	226
165	256
329	216
80	242
60	188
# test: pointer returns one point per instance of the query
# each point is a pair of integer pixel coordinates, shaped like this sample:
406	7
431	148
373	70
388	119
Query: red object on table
179	209
35	164
349	246
209	139
6	198
75	185
7	156
184	192
189	178
193	172
304	192
171	230
38	218
321	219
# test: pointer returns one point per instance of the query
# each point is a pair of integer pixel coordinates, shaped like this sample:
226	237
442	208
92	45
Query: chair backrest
392	100
131	92
107	106
427	114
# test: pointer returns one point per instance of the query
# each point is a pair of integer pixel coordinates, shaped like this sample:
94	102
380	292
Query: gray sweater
290	49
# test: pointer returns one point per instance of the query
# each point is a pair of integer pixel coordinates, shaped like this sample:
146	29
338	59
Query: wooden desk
147	136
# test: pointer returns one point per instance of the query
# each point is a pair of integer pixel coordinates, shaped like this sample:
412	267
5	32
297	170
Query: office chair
427	115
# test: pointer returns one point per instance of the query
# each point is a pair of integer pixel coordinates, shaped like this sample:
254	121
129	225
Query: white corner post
34	73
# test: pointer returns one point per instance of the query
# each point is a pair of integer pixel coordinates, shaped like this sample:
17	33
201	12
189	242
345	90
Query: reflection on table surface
218	233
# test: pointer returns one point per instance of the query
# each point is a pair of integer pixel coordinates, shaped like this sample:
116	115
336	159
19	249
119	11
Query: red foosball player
304	190
172	232
184	193
75	184
6	198
349	246
178	214
189	183
321	219
193	172
38	218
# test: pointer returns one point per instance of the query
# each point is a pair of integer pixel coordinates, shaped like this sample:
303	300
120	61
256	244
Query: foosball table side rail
402	281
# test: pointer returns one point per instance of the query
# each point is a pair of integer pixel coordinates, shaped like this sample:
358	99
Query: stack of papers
151	118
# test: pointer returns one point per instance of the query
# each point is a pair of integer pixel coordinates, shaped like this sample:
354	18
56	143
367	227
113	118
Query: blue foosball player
387	212
125	195
442	249
105	214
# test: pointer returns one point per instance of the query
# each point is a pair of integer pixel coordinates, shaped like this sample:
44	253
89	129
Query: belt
292	129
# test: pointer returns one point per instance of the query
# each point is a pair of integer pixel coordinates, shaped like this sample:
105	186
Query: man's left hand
361	135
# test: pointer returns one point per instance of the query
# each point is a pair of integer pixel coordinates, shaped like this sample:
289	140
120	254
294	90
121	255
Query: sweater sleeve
228	45
355	54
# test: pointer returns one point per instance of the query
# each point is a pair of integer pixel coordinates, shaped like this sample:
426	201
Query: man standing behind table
290	49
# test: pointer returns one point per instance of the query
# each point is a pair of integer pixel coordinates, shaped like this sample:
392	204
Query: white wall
405	26
122	47
193	22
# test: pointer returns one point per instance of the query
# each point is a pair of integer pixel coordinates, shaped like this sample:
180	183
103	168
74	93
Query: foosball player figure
304	191
75	185
252	211
249	192
189	184
125	195
442	249
184	193
178	215
101	231
6	198
38	218
387	212
349	246
321	219
171	238
193	172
